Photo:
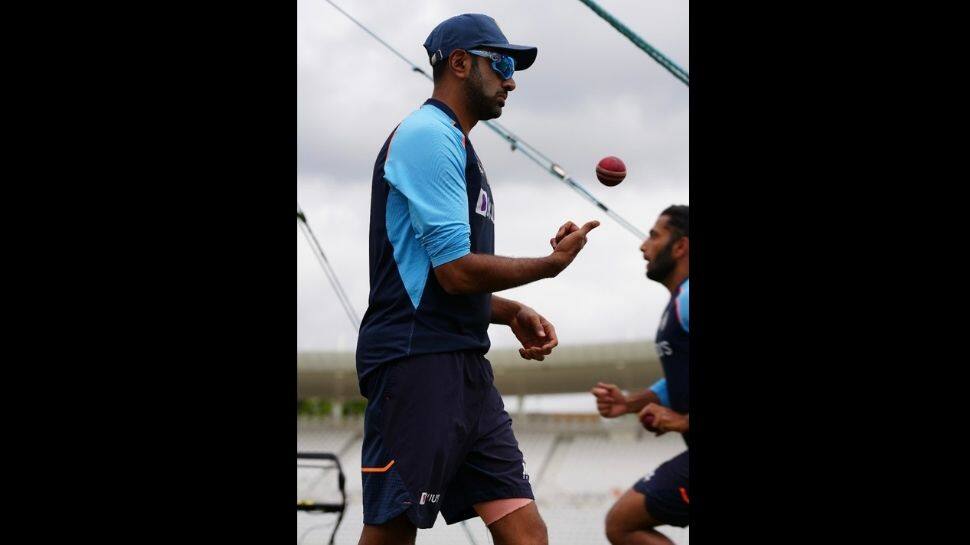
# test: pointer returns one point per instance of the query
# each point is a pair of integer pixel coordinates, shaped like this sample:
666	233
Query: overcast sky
591	93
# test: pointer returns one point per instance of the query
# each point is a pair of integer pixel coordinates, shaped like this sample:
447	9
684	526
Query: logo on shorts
525	476
426	497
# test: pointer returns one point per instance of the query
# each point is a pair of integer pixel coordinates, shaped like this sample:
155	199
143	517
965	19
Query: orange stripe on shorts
379	469
683	493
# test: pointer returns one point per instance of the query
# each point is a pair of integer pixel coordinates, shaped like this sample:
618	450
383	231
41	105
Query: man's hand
663	419
567	228
567	247
537	335
610	401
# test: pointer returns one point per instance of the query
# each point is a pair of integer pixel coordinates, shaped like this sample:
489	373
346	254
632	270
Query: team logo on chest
485	207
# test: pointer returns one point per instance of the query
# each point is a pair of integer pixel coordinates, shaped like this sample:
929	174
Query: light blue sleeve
426	164
683	306
660	388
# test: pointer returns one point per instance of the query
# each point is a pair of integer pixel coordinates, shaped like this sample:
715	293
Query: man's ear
459	62
681	248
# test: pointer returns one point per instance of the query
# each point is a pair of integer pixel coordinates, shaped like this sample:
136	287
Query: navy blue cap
473	30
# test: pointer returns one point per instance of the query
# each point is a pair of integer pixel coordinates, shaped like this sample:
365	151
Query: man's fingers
566	228
537	325
602	394
603	398
532	353
565	232
609	389
552	340
551	331
589	226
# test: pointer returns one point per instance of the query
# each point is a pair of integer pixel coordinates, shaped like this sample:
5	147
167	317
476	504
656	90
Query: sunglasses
503	64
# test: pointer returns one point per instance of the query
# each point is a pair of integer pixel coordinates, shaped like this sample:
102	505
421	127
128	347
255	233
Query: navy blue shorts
437	438
667	491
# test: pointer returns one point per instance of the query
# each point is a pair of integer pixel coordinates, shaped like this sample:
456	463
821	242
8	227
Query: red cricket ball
610	171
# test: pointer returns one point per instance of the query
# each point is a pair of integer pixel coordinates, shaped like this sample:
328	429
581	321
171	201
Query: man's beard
662	265
480	105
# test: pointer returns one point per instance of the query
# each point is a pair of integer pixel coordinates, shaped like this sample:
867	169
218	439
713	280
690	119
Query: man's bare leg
521	526
629	523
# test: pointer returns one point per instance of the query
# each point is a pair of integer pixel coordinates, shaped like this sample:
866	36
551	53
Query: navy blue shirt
673	348
430	204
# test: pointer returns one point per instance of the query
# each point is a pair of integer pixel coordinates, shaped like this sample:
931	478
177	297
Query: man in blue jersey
437	437
664	496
